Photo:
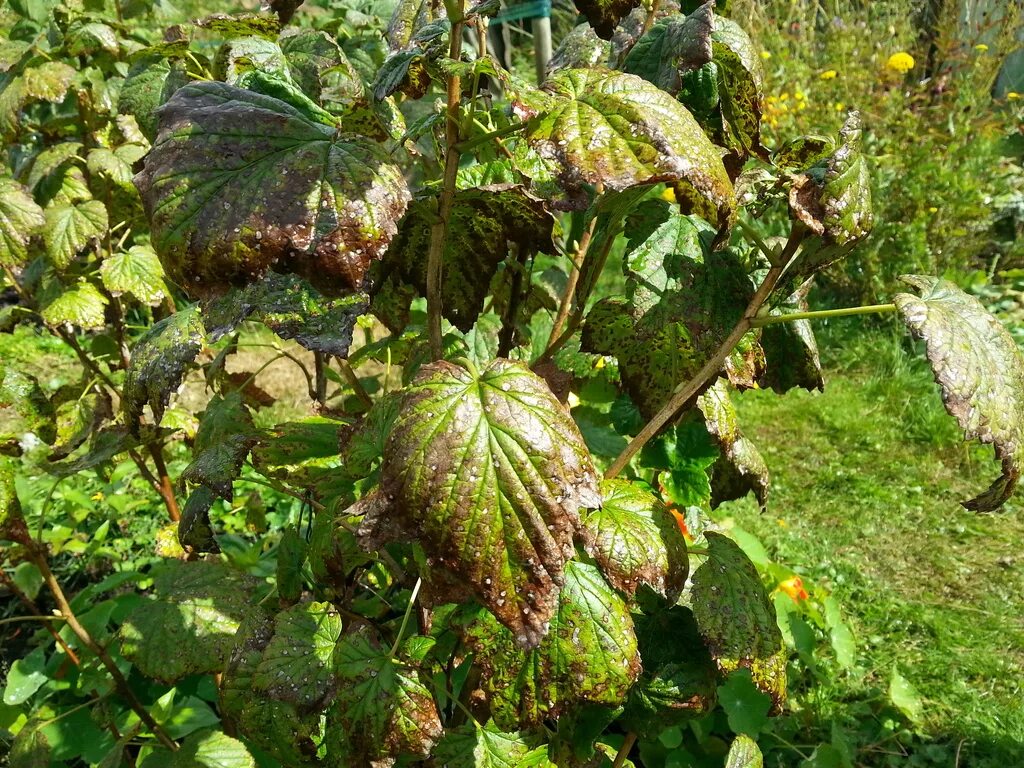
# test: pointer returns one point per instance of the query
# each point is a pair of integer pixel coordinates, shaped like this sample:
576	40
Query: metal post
541	45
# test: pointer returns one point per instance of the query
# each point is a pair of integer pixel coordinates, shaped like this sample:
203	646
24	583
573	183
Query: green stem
408	613
471	144
822	314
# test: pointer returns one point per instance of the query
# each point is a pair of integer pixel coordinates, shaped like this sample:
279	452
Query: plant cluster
503	554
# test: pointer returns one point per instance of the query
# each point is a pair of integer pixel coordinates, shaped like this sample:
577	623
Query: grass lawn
867	480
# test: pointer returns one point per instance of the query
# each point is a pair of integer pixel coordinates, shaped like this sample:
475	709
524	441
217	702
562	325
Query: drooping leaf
737	619
194	529
225	436
22	391
485	224
742	84
679	677
291	555
979	370
238	183
673	45
319	66
589	654
740	468
70	227
619	130
490	470
78	419
408	18
604	15
485	746
189	627
158	364
635	540
137	272
292	309
744	753
383	709
296	664
85	36
79	304
20	220
106	444
791	350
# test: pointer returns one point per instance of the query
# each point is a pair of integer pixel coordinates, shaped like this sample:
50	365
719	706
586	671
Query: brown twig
164	487
30	604
350	376
629	741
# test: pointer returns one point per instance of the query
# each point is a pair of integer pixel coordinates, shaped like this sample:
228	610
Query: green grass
867	480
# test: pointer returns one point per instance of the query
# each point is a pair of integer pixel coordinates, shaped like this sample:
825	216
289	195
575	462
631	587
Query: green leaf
746	706
736	618
296	664
383	709
490	471
189	627
80	304
194	529
20	219
740	468
485	746
238	182
48	82
115	164
291	554
22	391
840	637
685	454
292	309
137	272
25	677
617	129
980	373
238	57
744	754
905	697
70	227
225	436
673	45
484	226
84	37
78	419
679	678
207	749
589	654
158	364
12	520
605	15
152	79
635	540
30	748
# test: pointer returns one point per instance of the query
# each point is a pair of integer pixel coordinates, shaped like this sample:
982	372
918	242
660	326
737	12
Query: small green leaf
841	638
296	664
635	540
25	677
980	372
746	707
137	272
619	130
905	697
70	227
206	749
485	746
20	219
685	454
491	472
30	748
744	754
291	555
158	364
189	626
79	304
383	709
737	619
238	182
115	164
84	37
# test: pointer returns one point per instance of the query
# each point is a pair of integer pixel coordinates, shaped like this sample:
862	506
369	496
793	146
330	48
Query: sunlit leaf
137	272
79	304
744	753
673	45
20	219
296	664
22	392
485	746
70	227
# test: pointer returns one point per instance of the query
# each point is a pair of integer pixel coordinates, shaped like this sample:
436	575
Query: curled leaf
979	369
740	468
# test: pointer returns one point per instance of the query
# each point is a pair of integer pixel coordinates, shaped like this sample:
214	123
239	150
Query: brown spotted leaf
239	183
740	469
635	540
491	471
617	129
979	369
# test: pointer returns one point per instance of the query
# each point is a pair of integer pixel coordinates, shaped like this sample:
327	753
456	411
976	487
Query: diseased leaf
737	619
240	56
980	373
485	746
619	130
742	85
744	753
604	15
158	364
104	446
70	227
679	678
225	436
581	48
22	391
194	529
238	183
319	66
490	471
30	748
589	654
77	419
20	220
189	627
791	350
408	18
635	540
296	664
484	226
152	79
137	272
115	164
84	37
673	45
740	468
47	82
12	520
383	709
291	555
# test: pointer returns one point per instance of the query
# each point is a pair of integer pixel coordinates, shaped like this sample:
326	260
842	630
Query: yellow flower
98	496
840	106
828	74
933	209
901	62
981	47
669	195
799	96
1012	96
766	55
784	96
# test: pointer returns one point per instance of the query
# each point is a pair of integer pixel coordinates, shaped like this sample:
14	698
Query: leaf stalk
823	314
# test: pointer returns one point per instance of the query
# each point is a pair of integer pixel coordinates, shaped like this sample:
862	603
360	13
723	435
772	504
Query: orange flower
681	522
794	587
